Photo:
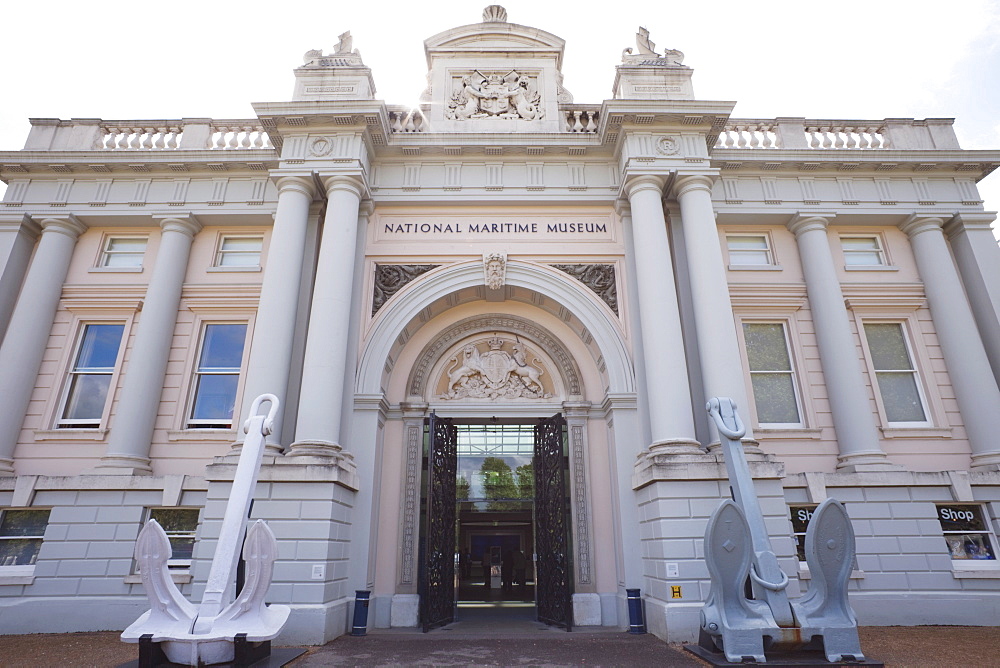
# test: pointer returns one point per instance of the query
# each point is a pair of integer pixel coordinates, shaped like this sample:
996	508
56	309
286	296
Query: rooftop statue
647	55
343	54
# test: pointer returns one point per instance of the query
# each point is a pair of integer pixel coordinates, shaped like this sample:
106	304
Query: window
749	249
21	533
217	376
123	252
771	373
966	533
180	525
894	372
239	252
862	251
800	524
90	377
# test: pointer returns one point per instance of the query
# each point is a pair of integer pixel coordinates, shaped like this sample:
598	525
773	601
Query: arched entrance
555	349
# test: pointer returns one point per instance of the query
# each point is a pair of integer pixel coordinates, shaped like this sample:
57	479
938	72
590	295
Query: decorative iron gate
552	570
437	573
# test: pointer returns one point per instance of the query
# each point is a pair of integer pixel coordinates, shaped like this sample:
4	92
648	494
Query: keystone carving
495	270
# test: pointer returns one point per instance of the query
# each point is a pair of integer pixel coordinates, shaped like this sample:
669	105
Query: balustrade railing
402	119
800	133
580	119
173	135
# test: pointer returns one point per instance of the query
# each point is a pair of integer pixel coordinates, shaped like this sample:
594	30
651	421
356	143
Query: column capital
20	222
637	184
686	183
918	223
977	220
186	223
346	182
366	208
805	222
69	225
298	182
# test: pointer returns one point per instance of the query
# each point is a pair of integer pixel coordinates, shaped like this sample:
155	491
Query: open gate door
437	572
552	570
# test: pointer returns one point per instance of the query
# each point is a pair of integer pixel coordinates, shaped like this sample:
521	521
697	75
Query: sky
863	60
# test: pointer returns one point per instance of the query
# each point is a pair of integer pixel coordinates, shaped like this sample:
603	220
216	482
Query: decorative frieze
600	278
390	279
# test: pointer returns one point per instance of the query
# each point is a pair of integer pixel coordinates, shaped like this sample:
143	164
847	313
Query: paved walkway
897	647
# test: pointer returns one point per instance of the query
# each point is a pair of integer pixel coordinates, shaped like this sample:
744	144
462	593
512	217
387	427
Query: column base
861	462
988	461
676	446
751	448
315	448
123	465
270	449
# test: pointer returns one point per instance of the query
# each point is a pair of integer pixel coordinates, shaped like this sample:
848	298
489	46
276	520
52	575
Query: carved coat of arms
494	96
495	373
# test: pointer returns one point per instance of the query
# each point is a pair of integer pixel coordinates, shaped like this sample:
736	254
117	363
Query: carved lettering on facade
494	373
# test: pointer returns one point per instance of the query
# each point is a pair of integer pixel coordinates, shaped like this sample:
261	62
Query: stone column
968	367
857	433
132	431
668	393
721	364
17	239
317	430
978	258
28	333
274	327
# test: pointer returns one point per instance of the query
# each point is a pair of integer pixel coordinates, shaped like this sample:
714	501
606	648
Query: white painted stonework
497	254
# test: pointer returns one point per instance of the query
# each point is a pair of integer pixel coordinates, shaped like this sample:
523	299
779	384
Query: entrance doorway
496	531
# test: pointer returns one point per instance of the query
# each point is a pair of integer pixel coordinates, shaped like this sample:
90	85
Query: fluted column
274	327
135	418
28	333
671	419
857	433
718	344
317	430
968	367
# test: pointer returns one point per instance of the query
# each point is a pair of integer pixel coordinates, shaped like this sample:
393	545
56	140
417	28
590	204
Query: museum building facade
493	322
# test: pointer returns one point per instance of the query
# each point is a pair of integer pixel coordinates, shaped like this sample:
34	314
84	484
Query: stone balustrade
800	133
580	118
404	119
89	134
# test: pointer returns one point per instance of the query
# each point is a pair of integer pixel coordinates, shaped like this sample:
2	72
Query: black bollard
360	612
636	622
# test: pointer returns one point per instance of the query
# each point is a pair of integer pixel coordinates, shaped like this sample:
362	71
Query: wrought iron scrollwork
555	605
437	581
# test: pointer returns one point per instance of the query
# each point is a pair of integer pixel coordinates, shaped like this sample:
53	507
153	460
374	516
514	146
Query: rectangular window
800	524
239	252
217	376
966	533
123	252
21	533
894	372
749	249
771	373
180	525
861	251
90	377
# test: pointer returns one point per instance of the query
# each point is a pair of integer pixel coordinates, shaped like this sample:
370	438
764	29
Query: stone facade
501	253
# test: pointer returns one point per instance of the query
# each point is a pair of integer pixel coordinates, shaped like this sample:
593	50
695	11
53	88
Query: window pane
215	397
176	519
888	349
859	243
969	546
88	394
861	251
240	252
241	244
19	552
766	349
223	346
99	347
752	242
774	394
24	522
900	397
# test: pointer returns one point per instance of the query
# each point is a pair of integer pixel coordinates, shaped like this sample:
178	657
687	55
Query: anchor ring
779	586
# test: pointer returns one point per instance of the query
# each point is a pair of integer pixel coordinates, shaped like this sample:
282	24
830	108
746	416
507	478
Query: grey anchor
737	546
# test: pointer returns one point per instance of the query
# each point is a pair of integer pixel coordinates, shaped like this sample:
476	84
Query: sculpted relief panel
495	368
507	95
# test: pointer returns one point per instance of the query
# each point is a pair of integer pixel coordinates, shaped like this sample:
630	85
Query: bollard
636	623
360	612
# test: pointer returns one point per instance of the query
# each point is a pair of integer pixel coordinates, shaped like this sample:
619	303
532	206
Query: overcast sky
850	59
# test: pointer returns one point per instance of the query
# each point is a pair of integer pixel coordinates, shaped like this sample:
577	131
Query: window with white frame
863	250
180	525
800	524
895	373
21	534
123	252
749	250
239	251
217	376
966	533
90	377
771	374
